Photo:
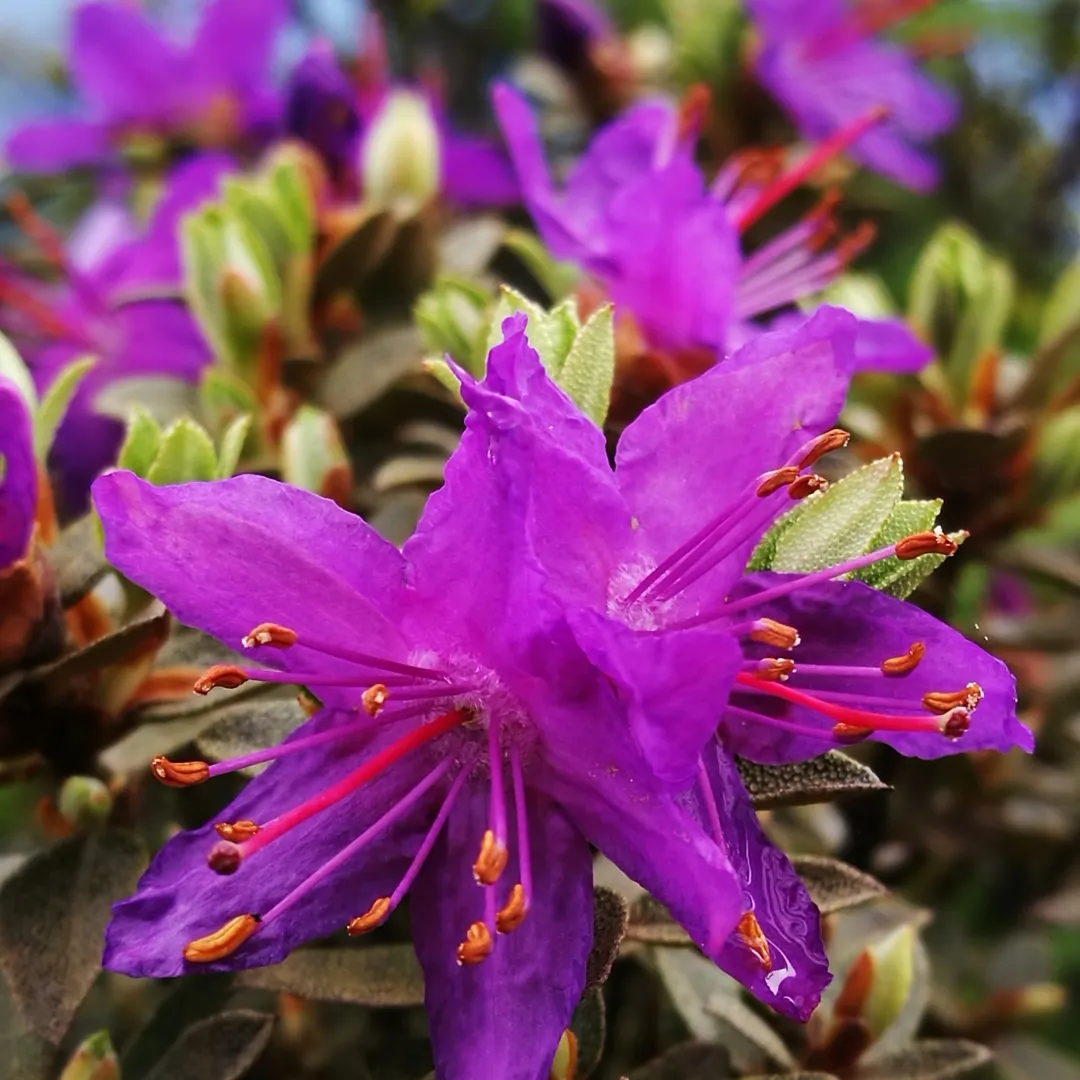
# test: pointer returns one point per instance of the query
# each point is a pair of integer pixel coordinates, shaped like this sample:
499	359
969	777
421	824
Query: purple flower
635	213
825	66
568	31
18	476
138	84
498	635
114	304
335	118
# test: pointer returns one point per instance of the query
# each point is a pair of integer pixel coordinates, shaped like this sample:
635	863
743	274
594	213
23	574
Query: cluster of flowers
565	653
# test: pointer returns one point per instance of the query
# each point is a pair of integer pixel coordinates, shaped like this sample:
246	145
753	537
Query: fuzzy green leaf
186	453
589	369
13	368
554	277
232	446
55	402
142	442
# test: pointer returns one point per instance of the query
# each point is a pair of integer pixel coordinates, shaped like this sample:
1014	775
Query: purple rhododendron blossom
137	82
113	304
823	63
636	214
333	116
582	627
18	475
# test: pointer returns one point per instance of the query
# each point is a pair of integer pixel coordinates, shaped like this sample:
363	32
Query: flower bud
84	801
313	456
400	156
94	1060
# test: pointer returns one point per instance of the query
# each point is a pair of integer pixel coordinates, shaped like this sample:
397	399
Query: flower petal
123	66
797	969
52	146
234	44
672	684
849	623
889	345
228	555
688	456
320	108
475	172
180	898
502	1019
18	475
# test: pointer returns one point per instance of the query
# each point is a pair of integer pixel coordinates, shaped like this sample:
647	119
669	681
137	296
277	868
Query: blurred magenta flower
342	120
142	89
118	300
825	64
486	640
636	214
18	476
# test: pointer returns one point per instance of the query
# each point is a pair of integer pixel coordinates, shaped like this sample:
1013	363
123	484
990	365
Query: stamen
770	632
491	861
771	668
348	852
374	698
749	932
816	449
477	945
179	773
523	856
371	768
237	831
281	637
918	543
512	914
225	858
371	918
952	724
932	542
898	666
969	697
226	676
825	151
789	726
807	485
221	943
777	479
375	915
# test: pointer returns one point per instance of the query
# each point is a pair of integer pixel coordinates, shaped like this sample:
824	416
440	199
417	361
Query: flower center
487	729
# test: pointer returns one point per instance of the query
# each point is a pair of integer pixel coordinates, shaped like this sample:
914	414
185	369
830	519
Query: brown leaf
818	780
53	913
379	976
609	929
222	1047
834	885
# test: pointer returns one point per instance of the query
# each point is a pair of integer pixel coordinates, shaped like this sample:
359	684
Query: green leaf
53	913
313	456
509	303
864	295
223	1047
589	369
13	368
554	277
441	370
94	1060
186	453
835	525
451	317
292	197
376	976
55	402
142	442
232	446
224	396
931	1059
1062	310
835	886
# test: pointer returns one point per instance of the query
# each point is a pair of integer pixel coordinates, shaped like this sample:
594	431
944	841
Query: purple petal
229	555
234	44
798	968
320	108
688	455
475	172
502	1019
643	667
51	146
849	623
18	475
180	898
567	28
123	66
104	229
889	345
783	19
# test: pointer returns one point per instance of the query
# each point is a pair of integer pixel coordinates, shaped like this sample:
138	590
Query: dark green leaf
817	780
78	560
53	913
609	928
834	885
366	369
589	1026
930	1059
222	1047
379	976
